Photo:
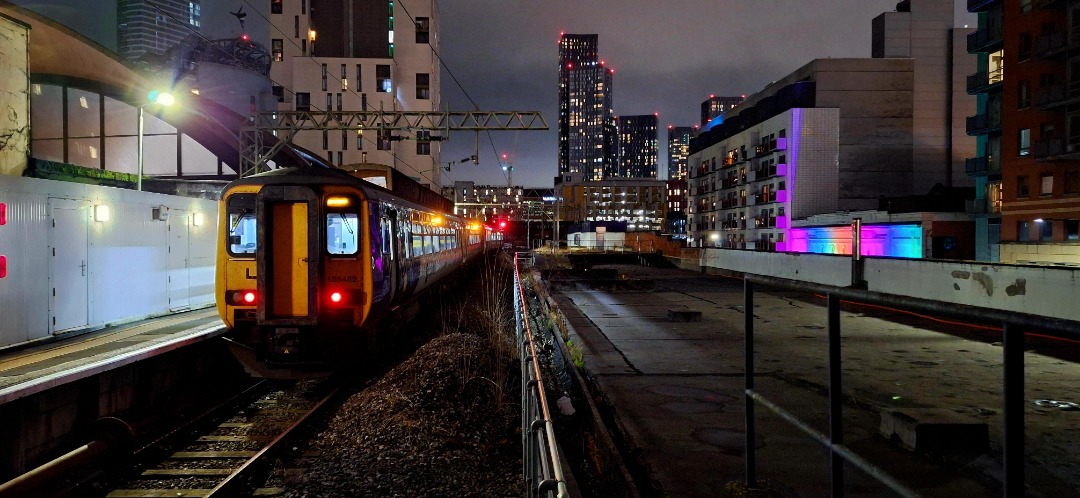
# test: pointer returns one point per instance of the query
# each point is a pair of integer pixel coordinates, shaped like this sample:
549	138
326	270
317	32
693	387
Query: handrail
1012	326
542	466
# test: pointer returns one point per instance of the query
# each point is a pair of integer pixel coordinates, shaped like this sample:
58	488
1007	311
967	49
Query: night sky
668	57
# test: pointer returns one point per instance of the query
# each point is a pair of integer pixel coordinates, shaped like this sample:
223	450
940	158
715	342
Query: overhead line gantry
255	152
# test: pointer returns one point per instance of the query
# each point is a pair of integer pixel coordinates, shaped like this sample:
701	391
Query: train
311	260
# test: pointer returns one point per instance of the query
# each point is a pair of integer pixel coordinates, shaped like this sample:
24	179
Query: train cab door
289	266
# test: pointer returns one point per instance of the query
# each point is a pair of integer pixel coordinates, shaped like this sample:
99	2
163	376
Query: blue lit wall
712	122
904	241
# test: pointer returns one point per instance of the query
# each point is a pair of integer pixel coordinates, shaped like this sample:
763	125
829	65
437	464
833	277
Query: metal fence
541	464
1013	327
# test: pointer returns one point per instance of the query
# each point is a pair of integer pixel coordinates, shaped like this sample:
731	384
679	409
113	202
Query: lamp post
155	97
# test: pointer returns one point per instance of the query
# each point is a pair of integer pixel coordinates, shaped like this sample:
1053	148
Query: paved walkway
677	390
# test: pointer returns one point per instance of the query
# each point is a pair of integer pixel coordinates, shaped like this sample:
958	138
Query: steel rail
227	487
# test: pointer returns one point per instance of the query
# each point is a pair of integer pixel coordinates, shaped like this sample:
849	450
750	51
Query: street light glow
164	99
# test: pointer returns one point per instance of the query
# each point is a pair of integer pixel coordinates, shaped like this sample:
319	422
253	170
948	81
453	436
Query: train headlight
338	201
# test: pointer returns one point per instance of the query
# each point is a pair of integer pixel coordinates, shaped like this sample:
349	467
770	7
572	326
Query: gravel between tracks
442	423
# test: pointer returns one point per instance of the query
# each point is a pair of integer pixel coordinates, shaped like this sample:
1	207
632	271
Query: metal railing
541	464
1013	327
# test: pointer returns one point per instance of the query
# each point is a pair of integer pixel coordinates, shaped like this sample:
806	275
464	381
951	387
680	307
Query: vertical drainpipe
857	274
949	104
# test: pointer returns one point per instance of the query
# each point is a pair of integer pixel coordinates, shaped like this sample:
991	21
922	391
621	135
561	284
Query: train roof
327	176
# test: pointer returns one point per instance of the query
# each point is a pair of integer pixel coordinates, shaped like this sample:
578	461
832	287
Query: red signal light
249	297
244	37
335	297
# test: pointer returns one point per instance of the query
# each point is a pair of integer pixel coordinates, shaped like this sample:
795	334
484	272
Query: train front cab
293	281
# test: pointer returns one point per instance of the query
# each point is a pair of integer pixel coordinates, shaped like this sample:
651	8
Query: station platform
29	370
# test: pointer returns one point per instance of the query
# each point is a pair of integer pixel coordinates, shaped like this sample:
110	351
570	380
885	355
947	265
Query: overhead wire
491	141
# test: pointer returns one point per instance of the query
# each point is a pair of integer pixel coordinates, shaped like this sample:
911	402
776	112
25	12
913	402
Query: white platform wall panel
24	293
128	255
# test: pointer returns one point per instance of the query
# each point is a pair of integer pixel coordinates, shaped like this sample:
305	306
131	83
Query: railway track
230	453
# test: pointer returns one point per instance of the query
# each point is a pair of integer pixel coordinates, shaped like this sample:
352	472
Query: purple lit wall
904	241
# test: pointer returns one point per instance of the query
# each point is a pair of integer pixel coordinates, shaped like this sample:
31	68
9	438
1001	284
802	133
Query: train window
342	233
417	245
242	226
242	233
386	236
436	243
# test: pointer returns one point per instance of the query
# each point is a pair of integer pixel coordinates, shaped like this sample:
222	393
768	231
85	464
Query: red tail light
243	298
339	297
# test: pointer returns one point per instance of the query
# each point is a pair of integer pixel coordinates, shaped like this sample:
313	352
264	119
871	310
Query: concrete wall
135	265
38	428
15	123
1038	290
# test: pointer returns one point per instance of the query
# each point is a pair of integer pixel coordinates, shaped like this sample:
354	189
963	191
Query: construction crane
255	151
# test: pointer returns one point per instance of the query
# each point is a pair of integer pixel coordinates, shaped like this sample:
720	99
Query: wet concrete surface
676	389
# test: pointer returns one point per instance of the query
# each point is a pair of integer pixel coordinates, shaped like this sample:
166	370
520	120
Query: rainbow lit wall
903	241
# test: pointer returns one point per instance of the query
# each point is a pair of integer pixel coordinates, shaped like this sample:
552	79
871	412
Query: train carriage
310	258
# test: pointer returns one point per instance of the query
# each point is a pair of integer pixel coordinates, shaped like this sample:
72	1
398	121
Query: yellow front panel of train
290	260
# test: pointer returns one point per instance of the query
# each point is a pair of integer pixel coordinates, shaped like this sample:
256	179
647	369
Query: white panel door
179	260
69	265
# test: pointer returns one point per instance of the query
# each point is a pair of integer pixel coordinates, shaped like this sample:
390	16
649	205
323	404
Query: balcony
981	207
765	222
981	124
983	82
981	5
1050	45
1057	148
981	166
1058	96
762	197
984	40
1049	4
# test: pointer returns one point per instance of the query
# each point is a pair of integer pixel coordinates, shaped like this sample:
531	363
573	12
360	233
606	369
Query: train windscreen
241	209
342	233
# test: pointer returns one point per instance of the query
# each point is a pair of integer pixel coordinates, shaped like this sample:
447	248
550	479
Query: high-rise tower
637	147
587	133
678	149
144	29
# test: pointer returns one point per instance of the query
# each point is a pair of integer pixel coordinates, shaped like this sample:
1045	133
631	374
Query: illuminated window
277	48
383	83
1046	184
